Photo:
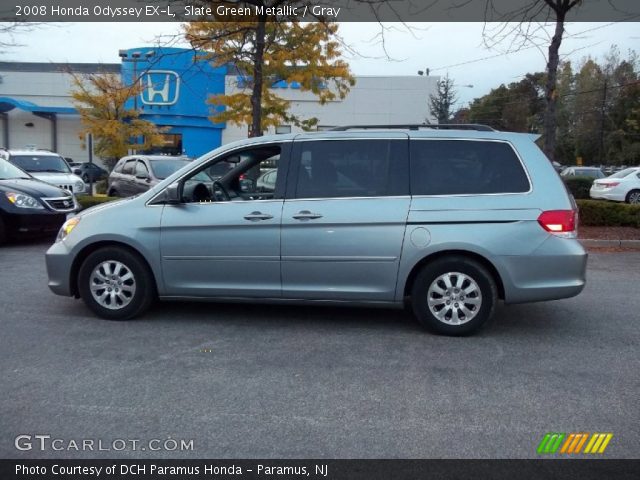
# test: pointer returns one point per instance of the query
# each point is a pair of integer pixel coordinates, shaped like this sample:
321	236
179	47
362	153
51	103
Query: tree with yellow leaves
266	52
101	101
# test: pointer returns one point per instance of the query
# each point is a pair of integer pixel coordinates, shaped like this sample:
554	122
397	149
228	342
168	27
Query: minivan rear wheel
116	284
454	296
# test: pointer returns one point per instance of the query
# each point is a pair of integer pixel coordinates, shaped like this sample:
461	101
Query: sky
455	49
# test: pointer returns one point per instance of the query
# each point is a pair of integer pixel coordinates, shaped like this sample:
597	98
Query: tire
130	270
447	319
85	178
633	197
112	193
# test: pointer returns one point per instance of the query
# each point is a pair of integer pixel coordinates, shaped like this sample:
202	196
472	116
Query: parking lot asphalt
247	381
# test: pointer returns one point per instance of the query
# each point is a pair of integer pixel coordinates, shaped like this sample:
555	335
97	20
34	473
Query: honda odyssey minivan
447	220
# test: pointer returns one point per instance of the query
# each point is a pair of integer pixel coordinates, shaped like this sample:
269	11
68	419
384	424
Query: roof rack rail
417	126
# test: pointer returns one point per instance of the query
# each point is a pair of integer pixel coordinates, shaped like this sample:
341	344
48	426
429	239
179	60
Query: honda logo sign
160	87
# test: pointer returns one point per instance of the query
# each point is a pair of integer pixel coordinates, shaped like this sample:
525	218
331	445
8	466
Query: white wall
373	100
50	89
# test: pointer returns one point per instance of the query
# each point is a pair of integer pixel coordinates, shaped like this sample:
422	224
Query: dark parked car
89	172
138	173
29	206
592	172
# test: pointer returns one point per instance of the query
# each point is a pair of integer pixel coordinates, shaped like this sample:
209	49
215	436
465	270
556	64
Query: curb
610	243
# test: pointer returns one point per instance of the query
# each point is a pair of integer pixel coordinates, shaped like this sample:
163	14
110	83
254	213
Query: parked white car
46	166
623	186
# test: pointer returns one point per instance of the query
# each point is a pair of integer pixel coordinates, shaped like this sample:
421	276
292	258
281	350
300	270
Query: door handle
306	215
257	216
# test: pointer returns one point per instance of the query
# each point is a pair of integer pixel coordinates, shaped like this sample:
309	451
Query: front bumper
33	224
59	263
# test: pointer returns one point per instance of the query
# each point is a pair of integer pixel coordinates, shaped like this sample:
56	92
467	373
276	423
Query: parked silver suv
448	220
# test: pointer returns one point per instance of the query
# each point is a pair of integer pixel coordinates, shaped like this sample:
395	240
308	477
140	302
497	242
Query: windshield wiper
49	170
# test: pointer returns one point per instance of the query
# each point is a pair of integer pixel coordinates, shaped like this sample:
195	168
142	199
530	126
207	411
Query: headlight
79	186
21	200
67	227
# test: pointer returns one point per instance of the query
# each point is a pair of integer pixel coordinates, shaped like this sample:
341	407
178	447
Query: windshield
8	171
41	163
623	173
163	168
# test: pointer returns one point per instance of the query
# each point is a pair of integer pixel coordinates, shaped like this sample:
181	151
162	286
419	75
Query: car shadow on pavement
508	319
282	316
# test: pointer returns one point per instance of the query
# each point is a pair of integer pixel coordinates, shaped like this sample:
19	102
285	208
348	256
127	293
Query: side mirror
170	195
77	171
247	185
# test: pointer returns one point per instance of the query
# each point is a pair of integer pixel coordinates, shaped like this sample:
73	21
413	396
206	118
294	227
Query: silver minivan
446	220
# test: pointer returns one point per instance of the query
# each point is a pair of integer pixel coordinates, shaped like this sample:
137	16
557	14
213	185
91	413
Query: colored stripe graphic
598	443
550	443
573	443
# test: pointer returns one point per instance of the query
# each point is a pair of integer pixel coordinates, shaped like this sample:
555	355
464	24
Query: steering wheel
218	186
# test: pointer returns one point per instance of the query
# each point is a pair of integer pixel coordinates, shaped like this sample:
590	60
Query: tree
10	30
266	52
101	101
441	105
588	111
516	107
527	16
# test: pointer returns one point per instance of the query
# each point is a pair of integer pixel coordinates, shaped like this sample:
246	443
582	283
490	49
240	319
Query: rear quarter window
129	167
465	167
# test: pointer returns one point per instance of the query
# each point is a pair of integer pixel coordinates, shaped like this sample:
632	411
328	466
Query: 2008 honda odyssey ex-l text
448	220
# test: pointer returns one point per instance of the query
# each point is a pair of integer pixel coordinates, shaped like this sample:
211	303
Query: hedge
601	213
579	186
101	187
89	201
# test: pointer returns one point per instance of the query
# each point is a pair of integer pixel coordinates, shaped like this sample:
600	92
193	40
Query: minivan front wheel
116	284
454	296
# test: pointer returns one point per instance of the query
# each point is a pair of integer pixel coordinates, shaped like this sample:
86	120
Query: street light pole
134	58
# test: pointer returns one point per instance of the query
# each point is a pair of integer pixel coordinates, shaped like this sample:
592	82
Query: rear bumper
59	263
607	195
557	269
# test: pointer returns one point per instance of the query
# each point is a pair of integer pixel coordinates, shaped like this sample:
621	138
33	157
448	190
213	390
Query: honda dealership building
36	108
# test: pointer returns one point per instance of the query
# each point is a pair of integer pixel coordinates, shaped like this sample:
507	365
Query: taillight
559	222
609	184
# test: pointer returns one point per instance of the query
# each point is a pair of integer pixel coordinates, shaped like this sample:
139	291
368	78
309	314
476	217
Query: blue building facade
175	88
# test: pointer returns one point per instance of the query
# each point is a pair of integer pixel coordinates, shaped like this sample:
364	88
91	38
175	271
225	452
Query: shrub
601	213
101	187
579	186
87	201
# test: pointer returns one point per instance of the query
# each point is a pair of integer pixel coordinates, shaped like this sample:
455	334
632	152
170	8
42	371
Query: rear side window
460	167
351	168
141	169
129	167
